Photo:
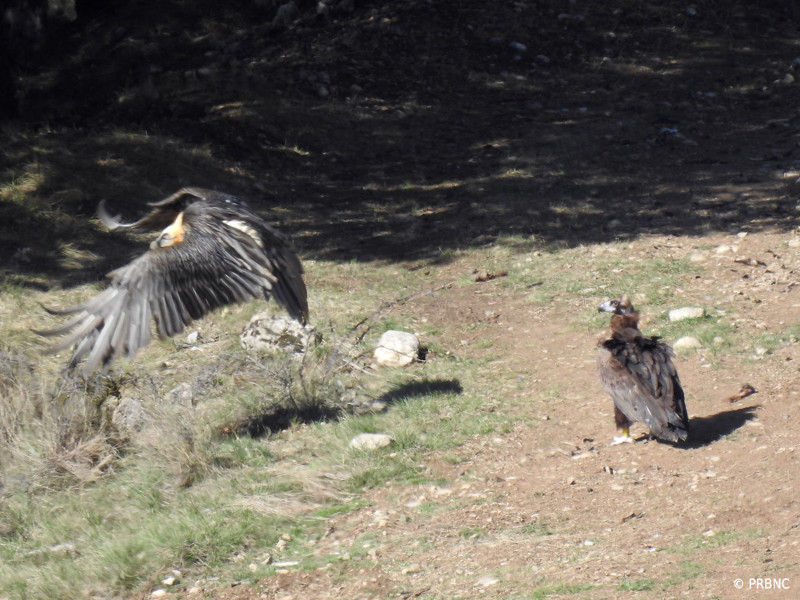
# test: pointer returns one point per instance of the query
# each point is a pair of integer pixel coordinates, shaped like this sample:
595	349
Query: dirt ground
659	132
679	146
552	506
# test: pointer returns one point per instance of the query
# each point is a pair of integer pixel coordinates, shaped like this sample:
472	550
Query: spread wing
643	382
218	263
163	213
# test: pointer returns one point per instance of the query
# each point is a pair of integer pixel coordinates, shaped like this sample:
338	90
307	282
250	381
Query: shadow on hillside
409	391
707	430
428	137
284	416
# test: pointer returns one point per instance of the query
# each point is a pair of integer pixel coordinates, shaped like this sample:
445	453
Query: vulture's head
617	306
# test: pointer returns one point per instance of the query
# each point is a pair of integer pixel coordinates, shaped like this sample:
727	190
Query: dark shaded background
398	131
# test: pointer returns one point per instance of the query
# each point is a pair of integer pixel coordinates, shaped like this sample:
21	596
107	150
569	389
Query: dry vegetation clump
54	436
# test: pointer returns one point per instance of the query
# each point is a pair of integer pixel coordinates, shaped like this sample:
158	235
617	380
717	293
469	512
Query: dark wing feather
643	382
264	250
216	265
163	213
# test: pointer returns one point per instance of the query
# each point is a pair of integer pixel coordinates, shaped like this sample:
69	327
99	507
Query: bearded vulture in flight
214	251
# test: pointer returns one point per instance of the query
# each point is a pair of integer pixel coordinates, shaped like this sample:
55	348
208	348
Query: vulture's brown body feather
216	252
639	375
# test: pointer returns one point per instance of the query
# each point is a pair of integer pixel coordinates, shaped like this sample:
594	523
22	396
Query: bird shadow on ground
707	430
285	416
415	389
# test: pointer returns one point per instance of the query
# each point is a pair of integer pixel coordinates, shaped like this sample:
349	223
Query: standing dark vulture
214	251
638	373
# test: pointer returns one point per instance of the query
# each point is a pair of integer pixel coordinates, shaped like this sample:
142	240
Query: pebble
411	569
686	312
370	441
396	349
687	342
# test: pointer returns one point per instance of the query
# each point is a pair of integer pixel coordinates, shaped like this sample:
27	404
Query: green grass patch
696	543
637	585
566	589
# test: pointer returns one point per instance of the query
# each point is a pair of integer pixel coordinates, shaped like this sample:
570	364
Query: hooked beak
607	306
171	235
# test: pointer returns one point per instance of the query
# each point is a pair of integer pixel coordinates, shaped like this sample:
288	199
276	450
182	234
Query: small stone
486	581
411	569
159	593
687	312
396	349
697	256
370	441
272	334
129	415
687	342
193	337
181	395
286	564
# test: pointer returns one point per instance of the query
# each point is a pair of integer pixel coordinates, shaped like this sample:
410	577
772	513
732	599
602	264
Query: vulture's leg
623	427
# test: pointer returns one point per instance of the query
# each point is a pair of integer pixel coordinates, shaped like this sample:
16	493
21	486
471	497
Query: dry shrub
177	439
57	435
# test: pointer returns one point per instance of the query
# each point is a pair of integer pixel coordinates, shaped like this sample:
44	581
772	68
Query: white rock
687	343
687	312
698	256
370	441
181	395
193	337
396	349
130	415
270	334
